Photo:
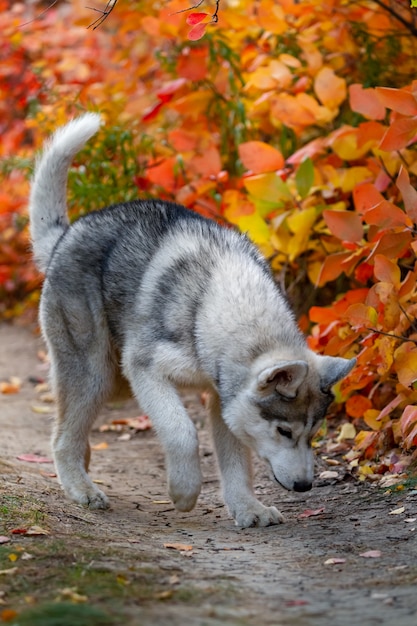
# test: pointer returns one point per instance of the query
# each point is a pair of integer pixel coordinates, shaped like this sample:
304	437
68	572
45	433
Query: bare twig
103	13
215	15
40	14
400	337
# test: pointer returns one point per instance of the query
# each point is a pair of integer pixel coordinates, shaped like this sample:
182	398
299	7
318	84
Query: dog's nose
302	485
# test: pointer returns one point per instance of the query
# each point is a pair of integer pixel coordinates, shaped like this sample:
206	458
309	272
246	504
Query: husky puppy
171	299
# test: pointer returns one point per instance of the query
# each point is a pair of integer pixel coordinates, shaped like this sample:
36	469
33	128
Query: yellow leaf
370	418
345	144
300	223
353	176
347	431
255	227
268	187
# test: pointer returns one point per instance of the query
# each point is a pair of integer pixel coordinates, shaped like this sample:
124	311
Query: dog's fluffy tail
48	204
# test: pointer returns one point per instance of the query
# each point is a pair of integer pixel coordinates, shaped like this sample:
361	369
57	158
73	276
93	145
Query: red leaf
311	513
197	32
195	18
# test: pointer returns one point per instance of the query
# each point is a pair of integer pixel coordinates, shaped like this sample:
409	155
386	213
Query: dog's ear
285	377
332	369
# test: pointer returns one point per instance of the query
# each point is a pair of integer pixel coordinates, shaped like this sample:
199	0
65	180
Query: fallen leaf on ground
410	520
7	615
371	554
41	409
10	386
71	593
164	595
178	546
33	530
47	474
33	458
347	431
47	396
103	445
37	530
296	602
398	511
141	422
334	561
311	513
329	474
8	572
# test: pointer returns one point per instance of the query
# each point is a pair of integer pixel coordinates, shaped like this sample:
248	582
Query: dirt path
117	564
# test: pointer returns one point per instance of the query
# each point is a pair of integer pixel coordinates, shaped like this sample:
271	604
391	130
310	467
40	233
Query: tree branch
103	14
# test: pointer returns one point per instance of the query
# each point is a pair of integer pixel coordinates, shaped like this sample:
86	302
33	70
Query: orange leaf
366	196
399	134
386	215
162	173
409	194
345	225
398	100
392	245
387	271
330	89
370	131
357	404
366	102
360	315
208	165
331	269
259	157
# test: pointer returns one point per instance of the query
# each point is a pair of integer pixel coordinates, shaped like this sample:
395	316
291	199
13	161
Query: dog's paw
184	489
258	515
93	498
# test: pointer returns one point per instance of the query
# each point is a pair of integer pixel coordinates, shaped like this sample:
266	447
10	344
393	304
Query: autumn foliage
294	122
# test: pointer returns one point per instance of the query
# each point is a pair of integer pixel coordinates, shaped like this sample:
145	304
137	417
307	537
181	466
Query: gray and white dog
170	299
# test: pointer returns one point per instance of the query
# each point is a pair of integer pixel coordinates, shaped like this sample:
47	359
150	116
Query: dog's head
281	407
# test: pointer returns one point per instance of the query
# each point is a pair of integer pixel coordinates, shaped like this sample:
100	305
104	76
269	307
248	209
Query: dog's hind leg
236	472
81	376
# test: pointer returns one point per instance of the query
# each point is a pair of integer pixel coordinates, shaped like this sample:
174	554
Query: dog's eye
284	432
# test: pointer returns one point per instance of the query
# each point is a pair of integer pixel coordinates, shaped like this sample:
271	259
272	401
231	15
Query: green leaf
304	177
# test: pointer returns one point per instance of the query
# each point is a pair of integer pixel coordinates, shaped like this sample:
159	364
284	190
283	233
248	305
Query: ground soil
118	561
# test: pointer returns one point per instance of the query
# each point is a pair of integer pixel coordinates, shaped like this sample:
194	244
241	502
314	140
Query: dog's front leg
177	433
236	470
